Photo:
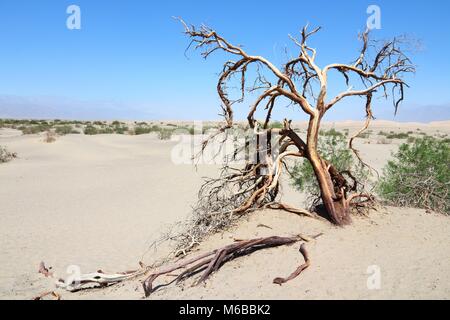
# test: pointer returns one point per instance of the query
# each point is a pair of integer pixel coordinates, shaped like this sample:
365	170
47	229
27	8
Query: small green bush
276	125
65	129
331	133
332	147
120	129
142	130
34	129
401	135
419	176
90	130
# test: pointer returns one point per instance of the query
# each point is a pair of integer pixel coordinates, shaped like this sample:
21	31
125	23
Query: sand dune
97	201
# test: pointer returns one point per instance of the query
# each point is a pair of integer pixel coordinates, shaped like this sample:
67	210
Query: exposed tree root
213	260
299	270
208	262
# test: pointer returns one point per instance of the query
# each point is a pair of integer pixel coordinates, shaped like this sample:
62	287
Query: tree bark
335	206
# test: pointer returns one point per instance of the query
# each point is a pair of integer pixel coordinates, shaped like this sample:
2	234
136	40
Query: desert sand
97	202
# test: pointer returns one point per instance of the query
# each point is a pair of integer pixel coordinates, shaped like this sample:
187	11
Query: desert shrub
145	129
90	130
276	125
383	140
165	134
364	135
5	155
332	147
50	136
34	129
121	129
401	135
65	129
331	133
106	130
418	176
206	128
142	130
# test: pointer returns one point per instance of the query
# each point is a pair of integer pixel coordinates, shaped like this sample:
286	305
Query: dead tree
302	82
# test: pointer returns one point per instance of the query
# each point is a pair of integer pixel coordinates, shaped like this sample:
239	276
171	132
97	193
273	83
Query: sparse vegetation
50	136
90	130
331	133
165	134
65	129
419	176
276	125
333	148
400	135
5	155
384	140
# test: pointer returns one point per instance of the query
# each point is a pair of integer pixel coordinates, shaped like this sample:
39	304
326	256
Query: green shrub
145	129
142	130
34	129
120	129
364	135
333	148
419	176
65	129
276	125
90	130
331	133
401	135
106	130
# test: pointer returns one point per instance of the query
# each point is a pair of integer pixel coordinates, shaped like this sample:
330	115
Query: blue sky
128	59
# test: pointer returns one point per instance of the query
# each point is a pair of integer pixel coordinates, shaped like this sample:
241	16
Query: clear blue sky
128	59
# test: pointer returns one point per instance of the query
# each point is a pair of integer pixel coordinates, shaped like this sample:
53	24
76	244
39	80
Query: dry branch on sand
208	262
211	261
299	270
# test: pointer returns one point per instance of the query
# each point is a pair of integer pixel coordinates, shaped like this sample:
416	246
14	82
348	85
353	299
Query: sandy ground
98	201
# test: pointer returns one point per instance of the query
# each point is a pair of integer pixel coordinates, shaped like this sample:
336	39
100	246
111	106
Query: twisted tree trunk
335	205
